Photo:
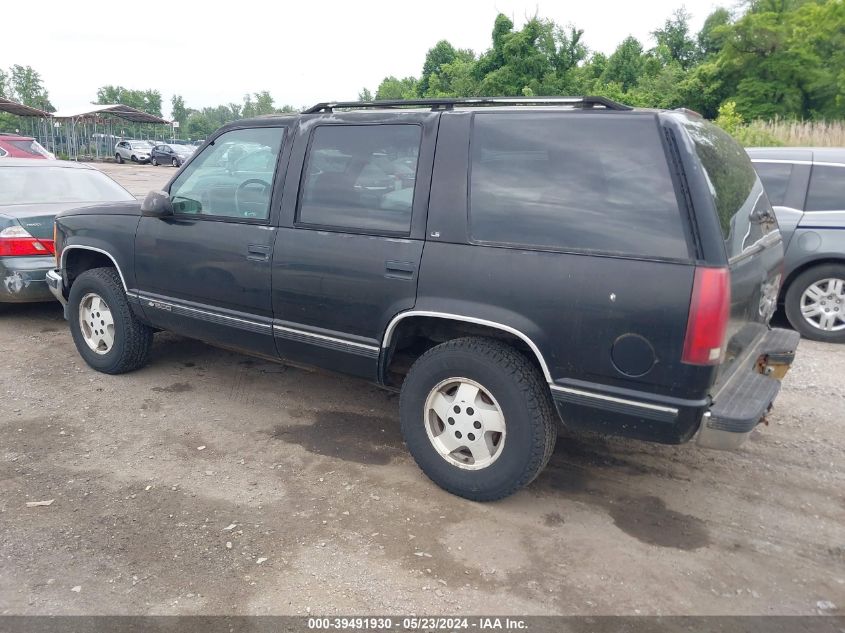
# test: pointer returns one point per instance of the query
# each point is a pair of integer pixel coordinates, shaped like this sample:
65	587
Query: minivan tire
132	339
515	385
792	302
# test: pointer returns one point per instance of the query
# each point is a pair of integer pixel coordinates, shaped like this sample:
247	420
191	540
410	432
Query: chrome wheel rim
823	304
96	323
464	423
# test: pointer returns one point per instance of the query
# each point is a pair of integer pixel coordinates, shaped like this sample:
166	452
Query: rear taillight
15	241
709	312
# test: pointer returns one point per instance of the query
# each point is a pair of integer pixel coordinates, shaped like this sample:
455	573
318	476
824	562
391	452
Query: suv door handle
399	270
258	253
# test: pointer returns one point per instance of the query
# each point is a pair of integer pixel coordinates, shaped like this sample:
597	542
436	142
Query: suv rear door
750	234
352	234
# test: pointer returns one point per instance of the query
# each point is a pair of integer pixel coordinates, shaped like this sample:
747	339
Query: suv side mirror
157	204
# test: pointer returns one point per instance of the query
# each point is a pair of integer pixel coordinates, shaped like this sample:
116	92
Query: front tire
107	334
119	159
154	162
174	162
478	418
815	303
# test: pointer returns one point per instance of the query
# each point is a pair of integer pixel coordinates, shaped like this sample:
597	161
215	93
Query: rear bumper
23	279
747	396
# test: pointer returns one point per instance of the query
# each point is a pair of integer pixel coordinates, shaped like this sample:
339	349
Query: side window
745	213
827	189
360	177
775	177
574	181
226	180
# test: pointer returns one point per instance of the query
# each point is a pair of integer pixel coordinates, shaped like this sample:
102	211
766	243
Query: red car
16	146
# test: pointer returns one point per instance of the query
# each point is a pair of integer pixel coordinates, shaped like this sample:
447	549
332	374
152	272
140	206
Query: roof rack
448	104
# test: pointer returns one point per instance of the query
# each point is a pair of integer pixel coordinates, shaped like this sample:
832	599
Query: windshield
32	185
141	145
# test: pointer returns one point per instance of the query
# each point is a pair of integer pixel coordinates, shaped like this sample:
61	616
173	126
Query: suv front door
205	270
351	237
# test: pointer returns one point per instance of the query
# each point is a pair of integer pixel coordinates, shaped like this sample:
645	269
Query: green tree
393	88
436	58
178	111
24	85
711	38
148	101
365	95
675	39
625	65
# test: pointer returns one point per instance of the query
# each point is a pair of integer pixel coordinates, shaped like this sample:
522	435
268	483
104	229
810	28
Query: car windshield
33	185
141	145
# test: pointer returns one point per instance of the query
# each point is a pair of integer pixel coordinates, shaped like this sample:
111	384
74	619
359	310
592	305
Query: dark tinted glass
574	181
745	213
361	177
827	189
775	177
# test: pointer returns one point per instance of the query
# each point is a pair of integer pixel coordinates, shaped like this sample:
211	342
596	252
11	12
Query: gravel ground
211	483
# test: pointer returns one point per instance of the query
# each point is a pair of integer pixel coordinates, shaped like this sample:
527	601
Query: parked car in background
31	194
135	151
806	186
17	146
505	268
171	154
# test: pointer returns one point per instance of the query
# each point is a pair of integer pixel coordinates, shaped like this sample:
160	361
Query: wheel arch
431	328
77	258
805	266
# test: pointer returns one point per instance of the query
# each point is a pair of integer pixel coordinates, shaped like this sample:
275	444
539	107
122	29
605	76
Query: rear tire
799	296
119	159
505	390
131	339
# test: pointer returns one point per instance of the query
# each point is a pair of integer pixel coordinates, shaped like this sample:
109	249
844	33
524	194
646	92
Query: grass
792	133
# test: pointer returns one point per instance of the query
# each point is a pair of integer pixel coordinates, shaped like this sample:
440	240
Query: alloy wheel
464	423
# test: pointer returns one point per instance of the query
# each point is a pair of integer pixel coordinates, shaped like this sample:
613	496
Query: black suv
502	262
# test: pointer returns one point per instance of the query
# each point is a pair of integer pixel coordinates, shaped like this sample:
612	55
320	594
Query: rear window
827	189
775	178
30	147
31	185
745	213
574	182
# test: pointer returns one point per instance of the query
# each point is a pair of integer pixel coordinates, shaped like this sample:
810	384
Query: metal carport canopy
118	110
19	109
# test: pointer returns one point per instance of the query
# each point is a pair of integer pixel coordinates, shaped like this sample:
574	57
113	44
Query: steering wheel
265	189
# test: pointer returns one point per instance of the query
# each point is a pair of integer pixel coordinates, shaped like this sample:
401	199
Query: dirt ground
213	483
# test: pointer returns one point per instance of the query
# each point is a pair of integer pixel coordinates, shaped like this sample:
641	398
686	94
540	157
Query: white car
136	151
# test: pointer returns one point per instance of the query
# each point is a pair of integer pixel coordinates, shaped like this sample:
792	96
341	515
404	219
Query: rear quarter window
574	181
745	213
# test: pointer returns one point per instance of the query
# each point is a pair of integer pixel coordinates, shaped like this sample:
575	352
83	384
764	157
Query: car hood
106	208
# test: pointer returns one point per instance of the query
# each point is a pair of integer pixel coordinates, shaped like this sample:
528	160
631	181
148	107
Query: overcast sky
302	52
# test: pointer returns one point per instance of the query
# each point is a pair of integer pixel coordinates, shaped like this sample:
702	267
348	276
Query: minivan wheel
106	333
119	159
815	303
478	418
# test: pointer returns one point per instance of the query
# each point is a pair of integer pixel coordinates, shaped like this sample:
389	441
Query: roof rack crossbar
448	104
